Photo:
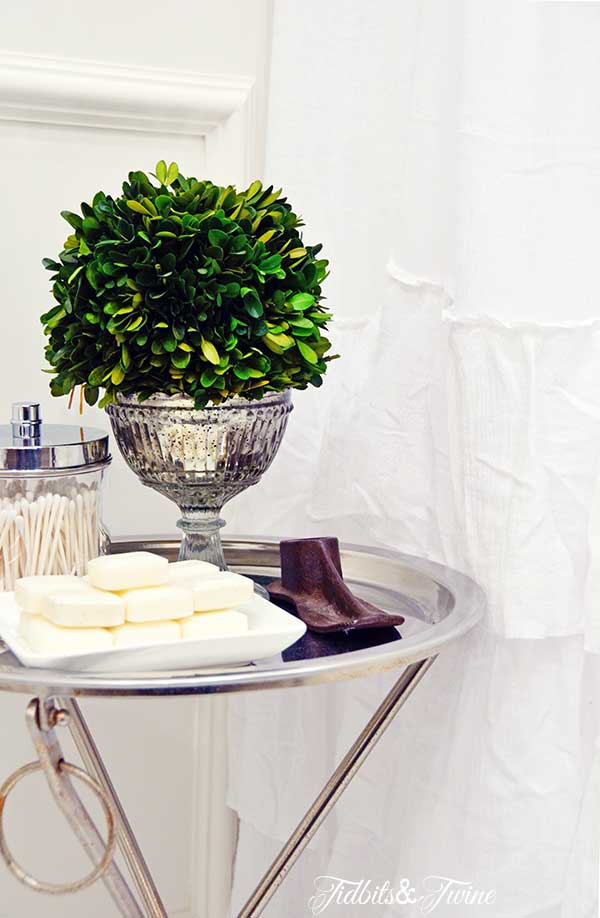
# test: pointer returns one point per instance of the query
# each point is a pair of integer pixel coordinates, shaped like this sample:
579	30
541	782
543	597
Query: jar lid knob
26	419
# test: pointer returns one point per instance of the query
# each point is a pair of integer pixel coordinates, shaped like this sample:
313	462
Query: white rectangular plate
270	631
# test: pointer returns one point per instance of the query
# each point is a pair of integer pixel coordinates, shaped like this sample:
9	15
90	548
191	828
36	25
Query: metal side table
440	605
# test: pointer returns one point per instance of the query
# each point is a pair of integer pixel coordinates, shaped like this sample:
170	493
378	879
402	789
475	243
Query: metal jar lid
28	446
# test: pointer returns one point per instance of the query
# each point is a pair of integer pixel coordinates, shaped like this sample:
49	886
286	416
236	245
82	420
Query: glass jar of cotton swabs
50	496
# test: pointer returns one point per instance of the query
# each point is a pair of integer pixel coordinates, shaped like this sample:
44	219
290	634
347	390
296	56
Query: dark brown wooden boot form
312	582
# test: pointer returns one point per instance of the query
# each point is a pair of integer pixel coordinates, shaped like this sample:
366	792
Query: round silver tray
439	604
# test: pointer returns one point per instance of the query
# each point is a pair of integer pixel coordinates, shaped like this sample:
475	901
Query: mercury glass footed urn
199	459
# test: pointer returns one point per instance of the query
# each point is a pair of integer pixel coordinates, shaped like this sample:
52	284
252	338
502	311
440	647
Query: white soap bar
46	638
84	608
222	591
31	592
182	572
214	624
151	604
128	571
132	633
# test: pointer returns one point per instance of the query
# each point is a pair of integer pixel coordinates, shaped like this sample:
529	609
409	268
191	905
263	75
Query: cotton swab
48	529
20	552
38	512
47	533
56	541
8	518
5	543
74	542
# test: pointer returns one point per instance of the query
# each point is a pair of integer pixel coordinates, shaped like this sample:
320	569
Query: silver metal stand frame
440	606
44	716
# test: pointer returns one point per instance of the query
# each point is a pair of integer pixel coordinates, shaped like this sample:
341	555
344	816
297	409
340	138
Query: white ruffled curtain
445	151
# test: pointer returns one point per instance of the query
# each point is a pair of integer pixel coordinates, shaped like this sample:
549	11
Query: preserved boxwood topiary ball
184	287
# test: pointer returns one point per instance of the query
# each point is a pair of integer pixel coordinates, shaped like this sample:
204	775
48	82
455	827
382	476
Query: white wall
86	95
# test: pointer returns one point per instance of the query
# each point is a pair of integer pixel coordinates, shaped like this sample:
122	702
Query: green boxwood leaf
90	225
149	205
96	377
302	300
307	352
72	276
172	174
210	351
50	264
217	237
163	204
208	378
90	393
180	360
281	340
301	322
161	172
138	208
254	190
267	265
252	304
75	220
302	332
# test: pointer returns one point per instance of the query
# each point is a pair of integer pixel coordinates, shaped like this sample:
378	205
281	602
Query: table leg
42	717
352	761
128	844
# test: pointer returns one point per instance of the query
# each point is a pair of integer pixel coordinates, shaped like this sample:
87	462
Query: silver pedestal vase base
200	459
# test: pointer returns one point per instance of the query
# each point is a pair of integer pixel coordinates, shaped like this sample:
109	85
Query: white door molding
90	94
